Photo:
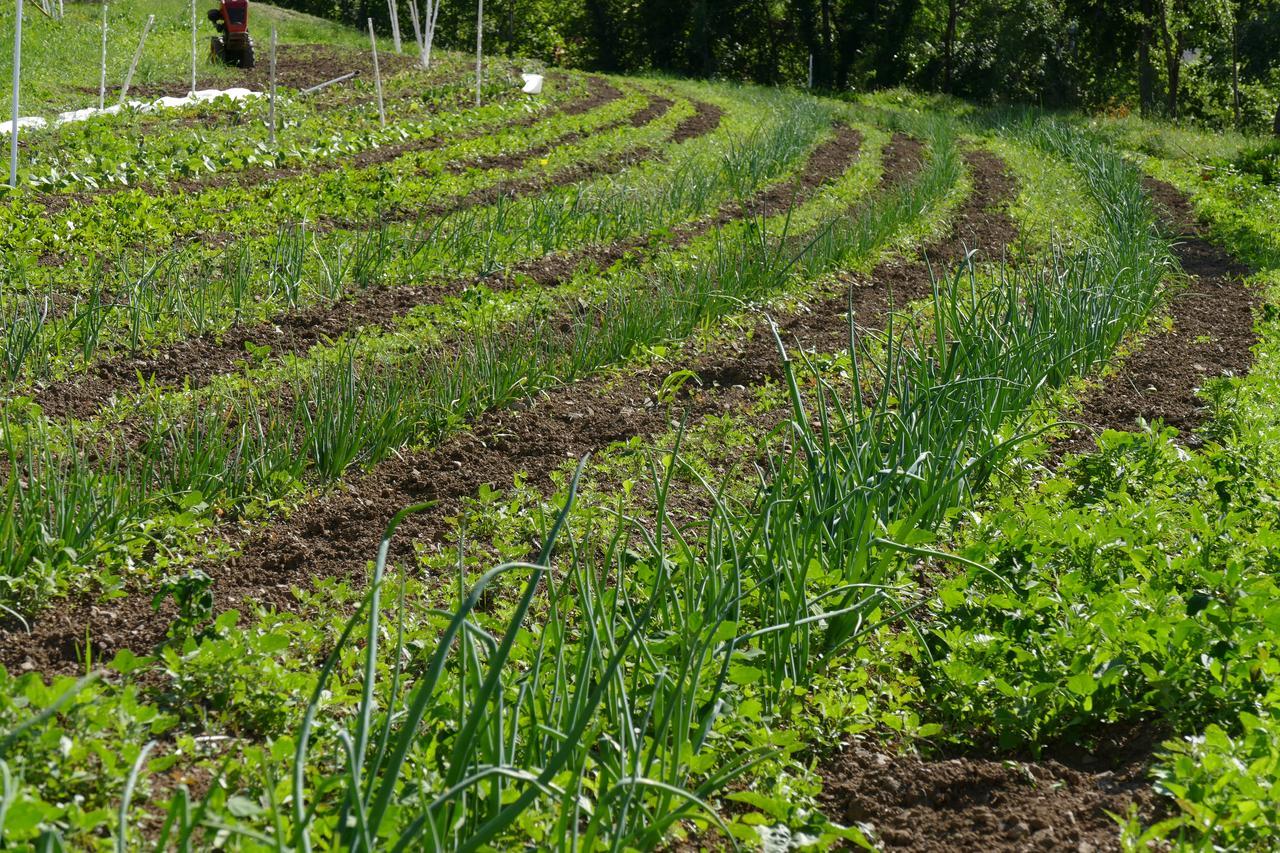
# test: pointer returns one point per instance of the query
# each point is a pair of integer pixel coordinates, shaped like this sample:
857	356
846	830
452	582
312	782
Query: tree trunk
702	29
826	64
804	16
1146	73
771	42
601	25
948	43
1172	62
1235	72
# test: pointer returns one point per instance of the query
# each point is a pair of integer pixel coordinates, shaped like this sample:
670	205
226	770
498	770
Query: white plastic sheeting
23	123
532	84
198	97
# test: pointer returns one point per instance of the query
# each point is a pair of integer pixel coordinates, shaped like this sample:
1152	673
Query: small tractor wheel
217	50
238	50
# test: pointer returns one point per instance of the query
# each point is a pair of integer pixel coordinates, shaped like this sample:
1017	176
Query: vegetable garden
644	464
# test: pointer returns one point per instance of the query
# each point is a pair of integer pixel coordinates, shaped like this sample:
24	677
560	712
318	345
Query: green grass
61	59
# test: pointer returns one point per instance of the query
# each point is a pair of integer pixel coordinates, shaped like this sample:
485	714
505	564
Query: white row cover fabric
23	123
199	97
532	84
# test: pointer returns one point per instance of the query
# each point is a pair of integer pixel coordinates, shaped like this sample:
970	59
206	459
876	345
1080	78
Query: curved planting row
214	285
225	141
1212	335
655	647
558	415
195	362
136	217
248	281
546	367
1088	646
195	164
690	605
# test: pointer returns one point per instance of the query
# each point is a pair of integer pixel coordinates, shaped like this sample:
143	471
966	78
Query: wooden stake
272	77
417	27
17	76
327	83
102	78
133	66
433	12
377	75
479	47
393	8
193	46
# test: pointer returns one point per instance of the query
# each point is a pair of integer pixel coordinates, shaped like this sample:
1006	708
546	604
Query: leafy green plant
1226	786
192	595
1262	160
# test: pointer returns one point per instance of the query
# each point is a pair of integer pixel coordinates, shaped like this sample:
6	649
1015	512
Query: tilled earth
1065	801
1212	335
298	66
335	536
1059	802
984	804
194	361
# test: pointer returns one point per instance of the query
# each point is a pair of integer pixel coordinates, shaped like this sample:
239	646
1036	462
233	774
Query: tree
949	43
604	32
1146	72
1172	37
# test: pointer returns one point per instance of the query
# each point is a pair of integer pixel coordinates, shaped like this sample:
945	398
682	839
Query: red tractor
232	46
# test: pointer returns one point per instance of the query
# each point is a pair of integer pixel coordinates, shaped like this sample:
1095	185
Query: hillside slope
61	58
727	424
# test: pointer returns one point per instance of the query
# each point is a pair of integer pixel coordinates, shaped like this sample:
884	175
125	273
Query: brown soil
335	535
1062	803
981	223
1213	335
193	362
706	118
654	110
902	158
982	804
332	536
974	803
297	67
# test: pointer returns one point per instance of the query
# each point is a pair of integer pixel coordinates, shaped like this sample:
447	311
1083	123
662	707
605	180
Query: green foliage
1057	53
1141	586
1226	785
1262	160
609	689
192	595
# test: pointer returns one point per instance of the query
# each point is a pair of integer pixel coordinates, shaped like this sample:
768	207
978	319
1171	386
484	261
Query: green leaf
1082	684
242	806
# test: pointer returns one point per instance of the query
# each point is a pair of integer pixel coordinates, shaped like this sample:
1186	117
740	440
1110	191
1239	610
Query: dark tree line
1213	60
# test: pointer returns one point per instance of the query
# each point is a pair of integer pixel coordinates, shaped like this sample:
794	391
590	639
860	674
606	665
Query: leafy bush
1144	586
1262	160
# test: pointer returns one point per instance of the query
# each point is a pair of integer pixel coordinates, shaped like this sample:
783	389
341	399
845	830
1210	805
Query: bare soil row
196	360
332	537
1212	335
